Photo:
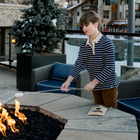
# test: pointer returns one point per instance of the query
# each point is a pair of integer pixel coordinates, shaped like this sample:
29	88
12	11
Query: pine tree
36	31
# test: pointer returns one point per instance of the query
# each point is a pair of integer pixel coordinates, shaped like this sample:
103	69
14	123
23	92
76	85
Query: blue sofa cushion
130	105
61	71
54	84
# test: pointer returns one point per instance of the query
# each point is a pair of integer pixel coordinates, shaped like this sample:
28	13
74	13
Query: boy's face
90	29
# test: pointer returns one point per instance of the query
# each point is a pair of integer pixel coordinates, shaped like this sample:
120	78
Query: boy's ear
96	24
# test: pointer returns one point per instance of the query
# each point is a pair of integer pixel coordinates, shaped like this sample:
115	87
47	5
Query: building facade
114	13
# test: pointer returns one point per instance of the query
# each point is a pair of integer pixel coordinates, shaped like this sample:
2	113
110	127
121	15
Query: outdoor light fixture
13	41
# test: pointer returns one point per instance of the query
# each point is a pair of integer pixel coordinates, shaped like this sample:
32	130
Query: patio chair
129	98
51	77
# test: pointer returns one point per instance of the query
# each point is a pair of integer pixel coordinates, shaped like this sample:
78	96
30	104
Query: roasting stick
43	91
60	89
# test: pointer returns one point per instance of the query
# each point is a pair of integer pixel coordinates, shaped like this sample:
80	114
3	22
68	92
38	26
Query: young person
98	54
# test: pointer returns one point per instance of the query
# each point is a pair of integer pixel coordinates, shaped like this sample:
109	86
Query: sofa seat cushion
130	105
54	84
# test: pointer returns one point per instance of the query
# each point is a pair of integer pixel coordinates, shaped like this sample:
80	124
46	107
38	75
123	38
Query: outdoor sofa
51	77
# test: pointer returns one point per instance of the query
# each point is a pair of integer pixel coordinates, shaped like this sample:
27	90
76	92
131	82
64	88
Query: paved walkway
115	125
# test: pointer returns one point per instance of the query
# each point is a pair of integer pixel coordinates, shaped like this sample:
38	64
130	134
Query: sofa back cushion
61	71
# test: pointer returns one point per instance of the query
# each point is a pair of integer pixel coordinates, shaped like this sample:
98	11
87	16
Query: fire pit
29	123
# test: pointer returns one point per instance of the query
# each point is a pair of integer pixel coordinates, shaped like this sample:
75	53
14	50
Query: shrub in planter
40	30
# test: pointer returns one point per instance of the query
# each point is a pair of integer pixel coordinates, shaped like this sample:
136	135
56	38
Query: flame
2	128
11	122
5	117
20	115
4	114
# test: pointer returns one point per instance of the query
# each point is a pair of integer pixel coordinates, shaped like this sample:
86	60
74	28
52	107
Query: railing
120	39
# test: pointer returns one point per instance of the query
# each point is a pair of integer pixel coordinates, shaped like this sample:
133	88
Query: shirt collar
96	40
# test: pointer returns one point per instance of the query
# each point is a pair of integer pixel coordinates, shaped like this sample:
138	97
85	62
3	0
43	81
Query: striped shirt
100	65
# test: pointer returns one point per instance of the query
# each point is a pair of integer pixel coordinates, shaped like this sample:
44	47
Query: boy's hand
91	85
65	86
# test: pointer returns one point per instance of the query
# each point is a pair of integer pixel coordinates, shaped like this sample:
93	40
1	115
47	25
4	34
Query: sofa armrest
40	74
129	88
82	80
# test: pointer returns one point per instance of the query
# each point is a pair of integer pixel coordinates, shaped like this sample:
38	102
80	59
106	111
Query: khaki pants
107	97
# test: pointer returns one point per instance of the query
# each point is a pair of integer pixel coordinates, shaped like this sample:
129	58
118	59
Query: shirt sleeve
79	64
109	62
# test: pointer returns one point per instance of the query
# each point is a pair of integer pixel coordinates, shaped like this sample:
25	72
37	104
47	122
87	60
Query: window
126	2
106	2
126	15
121	15
105	14
78	1
78	14
113	14
137	14
137	29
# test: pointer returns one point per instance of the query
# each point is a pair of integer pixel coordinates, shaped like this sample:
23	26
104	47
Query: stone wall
129	72
12	1
9	13
7	44
121	45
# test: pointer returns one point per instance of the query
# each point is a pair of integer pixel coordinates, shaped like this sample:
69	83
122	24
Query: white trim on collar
96	40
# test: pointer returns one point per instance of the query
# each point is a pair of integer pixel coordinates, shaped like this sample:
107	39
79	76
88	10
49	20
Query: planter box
25	63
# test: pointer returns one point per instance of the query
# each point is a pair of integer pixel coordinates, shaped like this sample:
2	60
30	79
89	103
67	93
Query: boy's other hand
91	85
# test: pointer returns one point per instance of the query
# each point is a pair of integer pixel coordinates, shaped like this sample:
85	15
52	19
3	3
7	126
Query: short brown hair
92	17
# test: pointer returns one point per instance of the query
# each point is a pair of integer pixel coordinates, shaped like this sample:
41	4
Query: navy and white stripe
100	65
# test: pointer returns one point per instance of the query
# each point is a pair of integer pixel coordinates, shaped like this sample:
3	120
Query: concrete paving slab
120	124
7	95
95	135
37	99
8	79
66	103
81	113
